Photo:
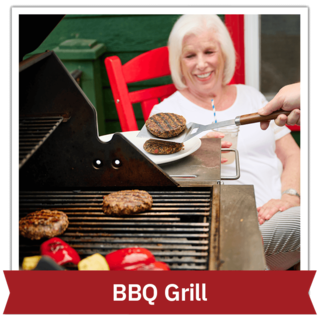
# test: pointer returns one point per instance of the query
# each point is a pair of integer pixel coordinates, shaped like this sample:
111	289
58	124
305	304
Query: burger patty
43	223
166	125
158	147
127	202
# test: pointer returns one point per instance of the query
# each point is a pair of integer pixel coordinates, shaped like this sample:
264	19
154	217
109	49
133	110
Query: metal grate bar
105	192
124	223
100	199
78	234
140	240
27	133
150	229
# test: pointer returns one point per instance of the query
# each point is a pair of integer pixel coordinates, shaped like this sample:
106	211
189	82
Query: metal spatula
193	129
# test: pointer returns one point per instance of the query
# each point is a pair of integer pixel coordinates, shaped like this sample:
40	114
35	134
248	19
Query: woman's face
202	63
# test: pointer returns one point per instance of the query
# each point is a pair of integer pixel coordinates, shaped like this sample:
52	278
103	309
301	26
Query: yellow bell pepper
30	263
94	262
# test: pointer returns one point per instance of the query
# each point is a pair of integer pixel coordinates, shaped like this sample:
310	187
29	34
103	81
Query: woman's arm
288	152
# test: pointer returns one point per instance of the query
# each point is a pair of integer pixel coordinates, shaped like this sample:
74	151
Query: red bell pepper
59	251
127	257
158	265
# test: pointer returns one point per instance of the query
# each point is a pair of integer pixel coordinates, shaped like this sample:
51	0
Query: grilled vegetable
94	262
30	263
125	258
158	265
59	251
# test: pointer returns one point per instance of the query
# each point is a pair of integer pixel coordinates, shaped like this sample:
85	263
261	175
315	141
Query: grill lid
73	155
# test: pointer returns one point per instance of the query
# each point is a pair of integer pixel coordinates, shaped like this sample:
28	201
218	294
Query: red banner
147	292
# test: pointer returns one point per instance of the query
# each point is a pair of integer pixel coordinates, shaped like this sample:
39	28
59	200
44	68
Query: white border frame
303	11
252	50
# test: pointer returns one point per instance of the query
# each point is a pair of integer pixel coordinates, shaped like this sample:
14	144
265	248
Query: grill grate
176	229
32	134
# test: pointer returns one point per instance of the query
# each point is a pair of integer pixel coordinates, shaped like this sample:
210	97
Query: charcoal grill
196	223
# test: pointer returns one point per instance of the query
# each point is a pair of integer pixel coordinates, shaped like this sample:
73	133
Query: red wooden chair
149	65
154	64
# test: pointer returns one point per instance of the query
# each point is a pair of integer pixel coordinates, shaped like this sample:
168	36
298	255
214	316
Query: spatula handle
256	117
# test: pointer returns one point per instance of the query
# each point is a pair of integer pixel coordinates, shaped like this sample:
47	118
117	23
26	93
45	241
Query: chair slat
149	65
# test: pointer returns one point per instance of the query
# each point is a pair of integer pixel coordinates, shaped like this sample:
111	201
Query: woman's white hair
195	24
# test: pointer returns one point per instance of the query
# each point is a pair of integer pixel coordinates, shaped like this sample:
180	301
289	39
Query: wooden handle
256	117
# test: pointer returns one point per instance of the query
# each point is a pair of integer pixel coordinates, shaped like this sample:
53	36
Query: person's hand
274	206
224	144
288	99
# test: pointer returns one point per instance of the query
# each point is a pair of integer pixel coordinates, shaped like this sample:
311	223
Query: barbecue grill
195	223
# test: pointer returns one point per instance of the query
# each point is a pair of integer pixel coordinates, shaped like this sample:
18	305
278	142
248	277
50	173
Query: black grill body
65	166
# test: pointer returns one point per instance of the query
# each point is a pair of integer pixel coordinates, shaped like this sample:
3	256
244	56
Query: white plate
189	147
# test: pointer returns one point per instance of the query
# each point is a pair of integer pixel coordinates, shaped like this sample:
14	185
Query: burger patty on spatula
166	125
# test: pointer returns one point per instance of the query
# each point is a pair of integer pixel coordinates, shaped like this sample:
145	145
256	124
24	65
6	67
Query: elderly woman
202	62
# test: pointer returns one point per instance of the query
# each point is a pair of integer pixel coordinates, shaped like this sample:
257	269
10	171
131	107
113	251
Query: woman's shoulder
248	89
250	93
168	104
175	96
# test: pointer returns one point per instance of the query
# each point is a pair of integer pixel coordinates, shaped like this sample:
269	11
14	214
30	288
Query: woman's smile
203	76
